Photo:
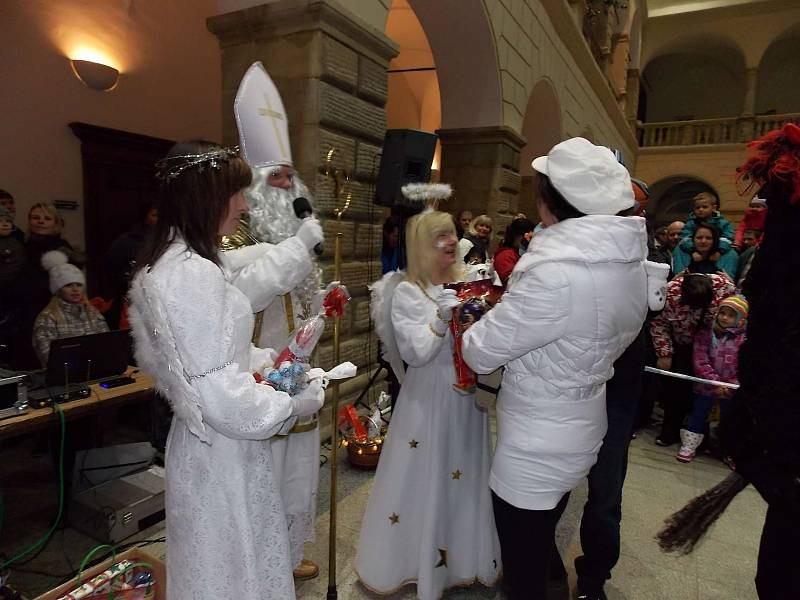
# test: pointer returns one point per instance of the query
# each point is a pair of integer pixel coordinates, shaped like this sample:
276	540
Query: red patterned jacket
677	324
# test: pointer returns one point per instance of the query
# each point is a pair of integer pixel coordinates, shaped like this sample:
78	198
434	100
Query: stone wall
539	39
330	67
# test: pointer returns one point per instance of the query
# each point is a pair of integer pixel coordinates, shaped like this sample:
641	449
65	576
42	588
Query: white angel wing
157	354
381	294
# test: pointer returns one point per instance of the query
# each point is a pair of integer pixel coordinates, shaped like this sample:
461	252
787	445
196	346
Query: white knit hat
589	177
61	271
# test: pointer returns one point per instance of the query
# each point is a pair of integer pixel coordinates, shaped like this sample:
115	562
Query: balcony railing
733	130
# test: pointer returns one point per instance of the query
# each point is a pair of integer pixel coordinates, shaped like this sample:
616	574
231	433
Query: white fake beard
272	220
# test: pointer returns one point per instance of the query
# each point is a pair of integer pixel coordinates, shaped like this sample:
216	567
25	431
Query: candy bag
477	297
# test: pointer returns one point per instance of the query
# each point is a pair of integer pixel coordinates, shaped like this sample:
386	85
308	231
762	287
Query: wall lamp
95	75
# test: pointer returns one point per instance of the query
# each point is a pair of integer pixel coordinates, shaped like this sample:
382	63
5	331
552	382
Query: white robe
296	455
429	518
226	532
267	271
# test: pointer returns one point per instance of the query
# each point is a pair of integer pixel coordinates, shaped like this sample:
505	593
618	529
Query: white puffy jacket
575	301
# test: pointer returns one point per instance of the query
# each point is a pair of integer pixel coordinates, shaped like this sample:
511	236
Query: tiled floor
723	567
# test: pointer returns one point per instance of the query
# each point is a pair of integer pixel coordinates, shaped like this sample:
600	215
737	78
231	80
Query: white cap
61	271
588	176
261	119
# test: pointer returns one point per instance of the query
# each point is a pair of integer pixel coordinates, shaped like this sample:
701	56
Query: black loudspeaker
406	158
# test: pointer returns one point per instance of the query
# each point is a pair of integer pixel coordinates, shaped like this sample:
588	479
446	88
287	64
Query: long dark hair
193	203
715	235
556	203
390	224
515	229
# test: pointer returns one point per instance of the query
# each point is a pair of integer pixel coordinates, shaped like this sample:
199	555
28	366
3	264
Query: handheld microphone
302	210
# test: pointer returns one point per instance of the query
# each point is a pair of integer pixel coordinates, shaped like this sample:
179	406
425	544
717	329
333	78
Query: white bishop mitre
261	119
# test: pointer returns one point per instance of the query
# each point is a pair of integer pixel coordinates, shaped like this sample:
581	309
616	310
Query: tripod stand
394	385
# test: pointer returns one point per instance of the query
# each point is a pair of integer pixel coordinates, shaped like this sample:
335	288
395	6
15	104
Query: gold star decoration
413	444
442	559
456	474
394	518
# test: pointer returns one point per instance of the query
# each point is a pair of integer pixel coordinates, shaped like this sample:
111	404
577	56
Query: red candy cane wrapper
306	337
477	297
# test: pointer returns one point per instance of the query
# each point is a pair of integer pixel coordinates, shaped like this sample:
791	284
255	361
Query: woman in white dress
226	532
429	517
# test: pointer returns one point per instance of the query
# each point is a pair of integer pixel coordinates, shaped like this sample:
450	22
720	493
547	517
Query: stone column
618	70
482	165
330	68
750	82
632	97
746	121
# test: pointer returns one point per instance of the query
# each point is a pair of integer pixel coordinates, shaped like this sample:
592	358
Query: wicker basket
364	455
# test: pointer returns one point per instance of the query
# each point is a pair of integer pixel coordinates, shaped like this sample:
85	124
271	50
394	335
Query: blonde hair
706	196
421	233
53	308
51	211
479	220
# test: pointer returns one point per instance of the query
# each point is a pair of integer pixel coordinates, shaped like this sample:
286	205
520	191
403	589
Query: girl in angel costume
429	517
192	324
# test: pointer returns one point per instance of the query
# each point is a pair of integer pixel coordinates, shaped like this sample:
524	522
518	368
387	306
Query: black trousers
528	548
676	395
602	512
778	577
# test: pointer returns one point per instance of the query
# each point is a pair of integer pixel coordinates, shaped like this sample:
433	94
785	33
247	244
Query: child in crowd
706	210
477	266
7	202
706	254
715	357
12	252
68	314
752	224
751	239
475	256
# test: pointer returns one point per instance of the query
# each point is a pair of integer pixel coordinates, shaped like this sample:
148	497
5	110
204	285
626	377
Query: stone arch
541	130
778	72
694	78
671	198
448	25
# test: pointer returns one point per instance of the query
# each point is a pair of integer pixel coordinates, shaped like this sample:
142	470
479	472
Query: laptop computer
88	358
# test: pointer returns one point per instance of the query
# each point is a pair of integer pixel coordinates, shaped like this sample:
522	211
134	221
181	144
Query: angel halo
429	194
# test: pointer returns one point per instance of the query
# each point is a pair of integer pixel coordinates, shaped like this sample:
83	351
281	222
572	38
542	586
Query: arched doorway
671	198
541	130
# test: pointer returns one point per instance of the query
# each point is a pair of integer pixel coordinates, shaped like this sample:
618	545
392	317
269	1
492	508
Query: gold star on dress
413	444
442	558
394	518
456	474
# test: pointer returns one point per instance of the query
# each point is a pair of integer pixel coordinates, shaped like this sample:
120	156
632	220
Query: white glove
310	232
309	401
446	301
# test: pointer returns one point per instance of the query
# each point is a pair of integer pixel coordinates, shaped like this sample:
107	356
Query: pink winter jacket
718	362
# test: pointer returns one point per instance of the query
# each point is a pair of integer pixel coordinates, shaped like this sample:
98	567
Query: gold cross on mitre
274	117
